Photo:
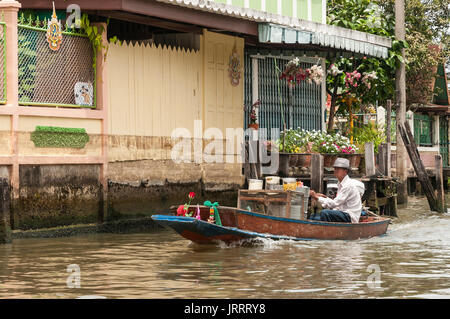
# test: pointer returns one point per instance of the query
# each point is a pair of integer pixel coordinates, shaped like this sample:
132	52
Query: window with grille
423	130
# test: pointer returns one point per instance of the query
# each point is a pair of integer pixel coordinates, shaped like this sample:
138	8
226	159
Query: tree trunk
334	97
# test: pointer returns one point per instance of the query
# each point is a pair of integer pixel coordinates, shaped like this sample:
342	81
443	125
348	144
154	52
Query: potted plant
253	123
300	144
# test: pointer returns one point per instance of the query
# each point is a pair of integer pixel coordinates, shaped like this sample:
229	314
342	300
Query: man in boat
346	207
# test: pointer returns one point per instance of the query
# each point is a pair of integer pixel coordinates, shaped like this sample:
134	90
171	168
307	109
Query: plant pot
304	160
293	160
254	126
354	159
328	159
296	159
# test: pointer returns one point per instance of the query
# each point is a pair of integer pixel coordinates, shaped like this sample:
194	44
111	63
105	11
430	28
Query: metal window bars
306	108
63	78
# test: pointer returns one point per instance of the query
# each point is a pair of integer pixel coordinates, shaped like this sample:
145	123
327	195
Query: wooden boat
239	224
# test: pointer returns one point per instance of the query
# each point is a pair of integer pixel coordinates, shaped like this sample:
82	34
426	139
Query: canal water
411	261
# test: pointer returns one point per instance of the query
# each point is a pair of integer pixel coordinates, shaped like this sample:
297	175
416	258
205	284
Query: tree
365	16
426	25
428	36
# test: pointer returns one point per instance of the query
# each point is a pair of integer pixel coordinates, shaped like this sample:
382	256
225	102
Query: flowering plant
253	116
293	73
334	70
183	210
351	78
368	77
302	141
315	74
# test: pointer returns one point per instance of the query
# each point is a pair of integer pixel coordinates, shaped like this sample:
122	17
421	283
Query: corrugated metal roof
271	33
277	28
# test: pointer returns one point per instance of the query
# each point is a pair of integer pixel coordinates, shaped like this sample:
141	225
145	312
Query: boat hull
241	225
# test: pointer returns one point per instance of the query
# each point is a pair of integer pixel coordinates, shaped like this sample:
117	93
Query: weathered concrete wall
142	188
59	195
55	195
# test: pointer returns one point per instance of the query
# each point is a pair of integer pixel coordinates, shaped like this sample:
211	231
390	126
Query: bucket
289	180
255	184
272	180
289	184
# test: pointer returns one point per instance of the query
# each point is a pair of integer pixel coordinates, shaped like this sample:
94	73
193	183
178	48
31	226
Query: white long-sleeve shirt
348	198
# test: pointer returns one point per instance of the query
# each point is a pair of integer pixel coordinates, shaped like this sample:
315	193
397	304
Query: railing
62	78
2	63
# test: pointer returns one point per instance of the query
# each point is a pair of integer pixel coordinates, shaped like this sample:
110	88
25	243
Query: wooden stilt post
410	144
370	159
382	158
388	157
317	173
388	120
440	184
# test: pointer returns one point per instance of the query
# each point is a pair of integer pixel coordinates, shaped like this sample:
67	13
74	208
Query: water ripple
411	261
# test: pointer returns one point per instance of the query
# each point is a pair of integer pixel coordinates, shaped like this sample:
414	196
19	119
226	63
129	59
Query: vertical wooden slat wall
156	89
153	89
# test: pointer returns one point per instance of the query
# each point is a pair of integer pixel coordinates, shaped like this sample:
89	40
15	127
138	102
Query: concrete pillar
5	211
102	104
435	132
9	10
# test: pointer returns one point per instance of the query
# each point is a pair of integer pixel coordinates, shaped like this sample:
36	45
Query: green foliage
365	16
302	141
368	133
61	137
426	24
427	27
361	15
95	35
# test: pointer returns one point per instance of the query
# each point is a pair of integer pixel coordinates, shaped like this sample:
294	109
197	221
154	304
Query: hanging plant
95	36
294	73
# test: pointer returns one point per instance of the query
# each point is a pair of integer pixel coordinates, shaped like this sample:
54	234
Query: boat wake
425	229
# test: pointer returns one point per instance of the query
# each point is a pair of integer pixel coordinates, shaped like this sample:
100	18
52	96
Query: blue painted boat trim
211	230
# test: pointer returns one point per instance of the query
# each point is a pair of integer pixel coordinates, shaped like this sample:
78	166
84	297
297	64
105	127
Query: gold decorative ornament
54	32
234	68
